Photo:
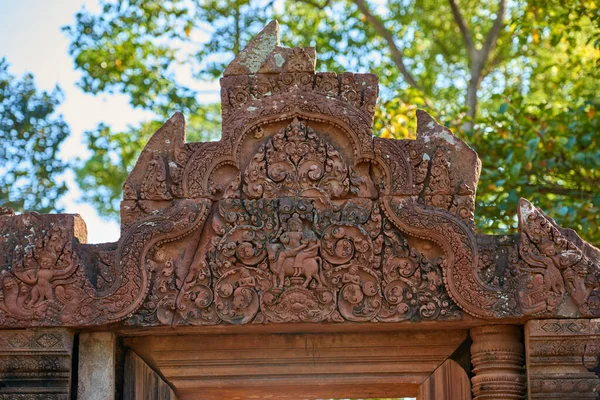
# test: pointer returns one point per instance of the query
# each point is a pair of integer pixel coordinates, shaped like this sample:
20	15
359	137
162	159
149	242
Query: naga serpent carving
296	215
47	285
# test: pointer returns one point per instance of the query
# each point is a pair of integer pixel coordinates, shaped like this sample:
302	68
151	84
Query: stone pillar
97	357
498	359
35	364
560	355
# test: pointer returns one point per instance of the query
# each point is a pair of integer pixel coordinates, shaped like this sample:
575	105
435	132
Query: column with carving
560	356
498	358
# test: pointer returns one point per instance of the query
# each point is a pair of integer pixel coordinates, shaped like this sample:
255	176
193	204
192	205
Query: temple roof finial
264	55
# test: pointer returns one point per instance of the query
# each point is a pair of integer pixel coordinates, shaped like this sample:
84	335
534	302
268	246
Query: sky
32	41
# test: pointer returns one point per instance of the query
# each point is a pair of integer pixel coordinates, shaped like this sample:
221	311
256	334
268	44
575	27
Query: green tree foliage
518	80
31	133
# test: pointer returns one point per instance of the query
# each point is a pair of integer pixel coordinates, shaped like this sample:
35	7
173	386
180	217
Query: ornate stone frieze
296	162
561	357
305	260
437	167
296	215
295	241
35	364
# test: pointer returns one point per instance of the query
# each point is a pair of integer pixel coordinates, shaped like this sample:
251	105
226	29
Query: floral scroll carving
461	253
295	259
296	162
296	215
294	241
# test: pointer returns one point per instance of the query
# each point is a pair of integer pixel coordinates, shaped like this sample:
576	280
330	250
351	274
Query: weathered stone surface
296	215
35	365
560	273
39	267
561	354
96	371
50	279
263	55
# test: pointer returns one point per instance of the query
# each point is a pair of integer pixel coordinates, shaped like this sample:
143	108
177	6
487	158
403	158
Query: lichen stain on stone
255	57
504	239
279	60
526	208
258	50
448	137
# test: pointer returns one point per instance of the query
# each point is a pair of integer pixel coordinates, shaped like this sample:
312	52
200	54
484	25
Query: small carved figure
550	255
297	256
546	272
532	296
247	280
351	276
41	278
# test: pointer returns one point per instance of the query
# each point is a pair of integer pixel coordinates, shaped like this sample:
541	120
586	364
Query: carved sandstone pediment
296	215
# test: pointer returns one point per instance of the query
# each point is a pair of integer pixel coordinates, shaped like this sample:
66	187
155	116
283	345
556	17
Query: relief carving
561	357
554	266
45	283
31	286
155	181
296	215
295	162
305	260
35	364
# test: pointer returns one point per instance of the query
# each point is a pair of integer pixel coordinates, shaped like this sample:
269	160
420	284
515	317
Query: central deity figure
296	255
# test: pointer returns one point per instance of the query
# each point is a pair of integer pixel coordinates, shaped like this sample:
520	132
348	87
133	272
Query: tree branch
478	59
385	33
462	26
492	36
316	4
444	50
574	193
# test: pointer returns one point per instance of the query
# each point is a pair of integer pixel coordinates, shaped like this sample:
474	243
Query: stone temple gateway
298	257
